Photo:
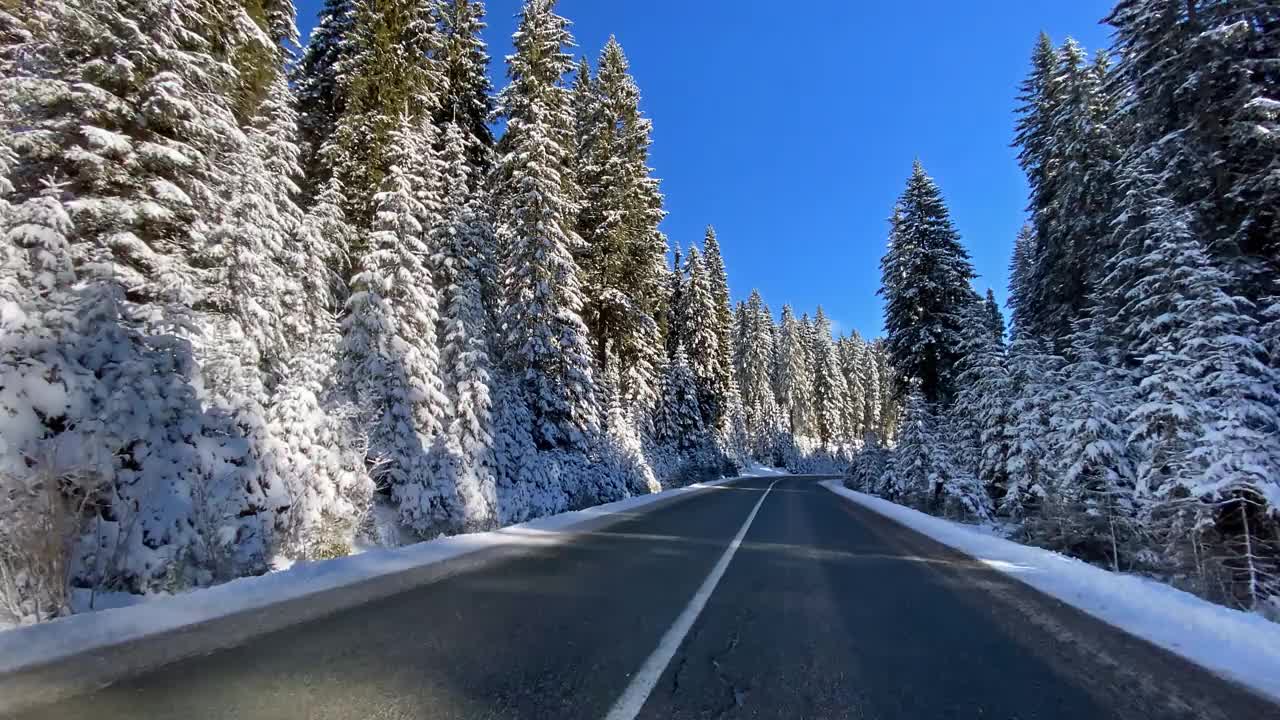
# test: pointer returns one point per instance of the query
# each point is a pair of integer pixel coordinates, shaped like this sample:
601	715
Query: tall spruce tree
1200	77
467	458
318	87
546	341
829	390
679	419
624	255
467	99
926	275
755	357
392	356
719	280
701	335
793	376
674	316
388	69
1070	155
995	318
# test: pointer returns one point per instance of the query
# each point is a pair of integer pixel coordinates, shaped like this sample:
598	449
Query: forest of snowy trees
1133	417
262	302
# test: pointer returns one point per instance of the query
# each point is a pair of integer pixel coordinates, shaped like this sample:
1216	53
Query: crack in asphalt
737	695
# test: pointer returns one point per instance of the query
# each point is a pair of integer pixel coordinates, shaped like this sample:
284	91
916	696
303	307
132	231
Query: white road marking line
628	706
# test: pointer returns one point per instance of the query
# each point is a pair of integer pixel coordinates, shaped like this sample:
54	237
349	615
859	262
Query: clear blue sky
791	127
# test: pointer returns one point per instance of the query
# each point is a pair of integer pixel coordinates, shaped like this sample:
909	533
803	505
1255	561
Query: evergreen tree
679	419
1200	79
386	71
1091	509
392	357
869	370
467	100
1033	377
675	321
1205	413
701	335
889	406
926	275
1070	157
624	255
1039	95
154	165
467	458
545	338
995	319
719	281
793	376
829	391
317	85
920	462
1024	253
755	357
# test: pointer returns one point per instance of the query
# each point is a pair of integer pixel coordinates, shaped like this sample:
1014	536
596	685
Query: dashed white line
642	683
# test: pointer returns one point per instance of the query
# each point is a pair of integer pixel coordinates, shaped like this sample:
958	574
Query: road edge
44	663
1250	676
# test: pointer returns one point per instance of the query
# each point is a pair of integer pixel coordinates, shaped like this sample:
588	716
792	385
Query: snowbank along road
769	598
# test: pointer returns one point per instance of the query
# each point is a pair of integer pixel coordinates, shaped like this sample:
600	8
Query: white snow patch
755	469
33	645
1238	645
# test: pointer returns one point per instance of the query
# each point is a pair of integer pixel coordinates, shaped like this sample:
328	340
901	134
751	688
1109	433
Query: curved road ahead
825	610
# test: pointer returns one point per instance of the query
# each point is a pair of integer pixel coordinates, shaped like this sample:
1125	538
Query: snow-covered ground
38	644
757	470
1238	645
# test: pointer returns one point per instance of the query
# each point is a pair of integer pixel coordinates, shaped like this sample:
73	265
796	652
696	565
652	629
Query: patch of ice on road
1238	645
31	645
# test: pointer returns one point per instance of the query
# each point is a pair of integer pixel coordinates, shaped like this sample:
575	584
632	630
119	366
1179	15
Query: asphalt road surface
821	609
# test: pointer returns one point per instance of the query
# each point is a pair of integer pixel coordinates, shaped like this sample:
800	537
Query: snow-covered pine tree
926	275
981	387
869	370
145	162
1090	509
703	338
849	350
719	280
755	357
390	345
464	457
1206	414
890	405
1033	377
545	342
467	100
829	391
995	318
1201	95
920	456
978	353
1070	157
674	322
623	444
793	377
1038	95
679	420
866	472
734	438
624	256
387	68
1020	303
318	87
